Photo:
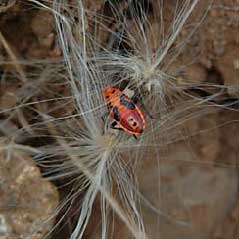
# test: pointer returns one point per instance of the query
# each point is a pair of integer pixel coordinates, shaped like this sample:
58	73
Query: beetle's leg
146	110
105	116
135	137
114	125
138	97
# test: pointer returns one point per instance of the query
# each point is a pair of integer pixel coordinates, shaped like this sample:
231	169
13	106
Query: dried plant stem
13	57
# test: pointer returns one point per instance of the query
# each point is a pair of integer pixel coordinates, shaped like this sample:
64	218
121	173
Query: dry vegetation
64	173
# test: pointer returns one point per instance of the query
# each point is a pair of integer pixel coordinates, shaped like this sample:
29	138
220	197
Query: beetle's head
109	92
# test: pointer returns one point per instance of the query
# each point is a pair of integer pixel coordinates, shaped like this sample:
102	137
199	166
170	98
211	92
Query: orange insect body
127	116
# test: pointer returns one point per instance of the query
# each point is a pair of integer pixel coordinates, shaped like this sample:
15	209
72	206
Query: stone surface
27	200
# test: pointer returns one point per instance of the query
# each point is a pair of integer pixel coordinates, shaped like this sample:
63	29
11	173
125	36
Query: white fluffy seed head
92	147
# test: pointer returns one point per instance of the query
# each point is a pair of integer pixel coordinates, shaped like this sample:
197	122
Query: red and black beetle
126	114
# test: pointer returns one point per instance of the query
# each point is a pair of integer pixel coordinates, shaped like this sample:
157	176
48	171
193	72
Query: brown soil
27	200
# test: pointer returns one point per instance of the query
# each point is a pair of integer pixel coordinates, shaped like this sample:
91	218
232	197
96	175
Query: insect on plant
127	116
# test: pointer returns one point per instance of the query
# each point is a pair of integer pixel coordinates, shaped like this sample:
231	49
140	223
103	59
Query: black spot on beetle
134	124
125	102
116	113
122	97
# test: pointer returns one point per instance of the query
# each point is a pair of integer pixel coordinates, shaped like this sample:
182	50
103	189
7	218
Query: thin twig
12	57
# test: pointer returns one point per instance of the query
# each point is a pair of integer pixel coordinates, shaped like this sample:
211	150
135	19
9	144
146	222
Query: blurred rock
27	200
6	4
215	43
8	97
228	228
191	188
47	24
228	67
98	4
